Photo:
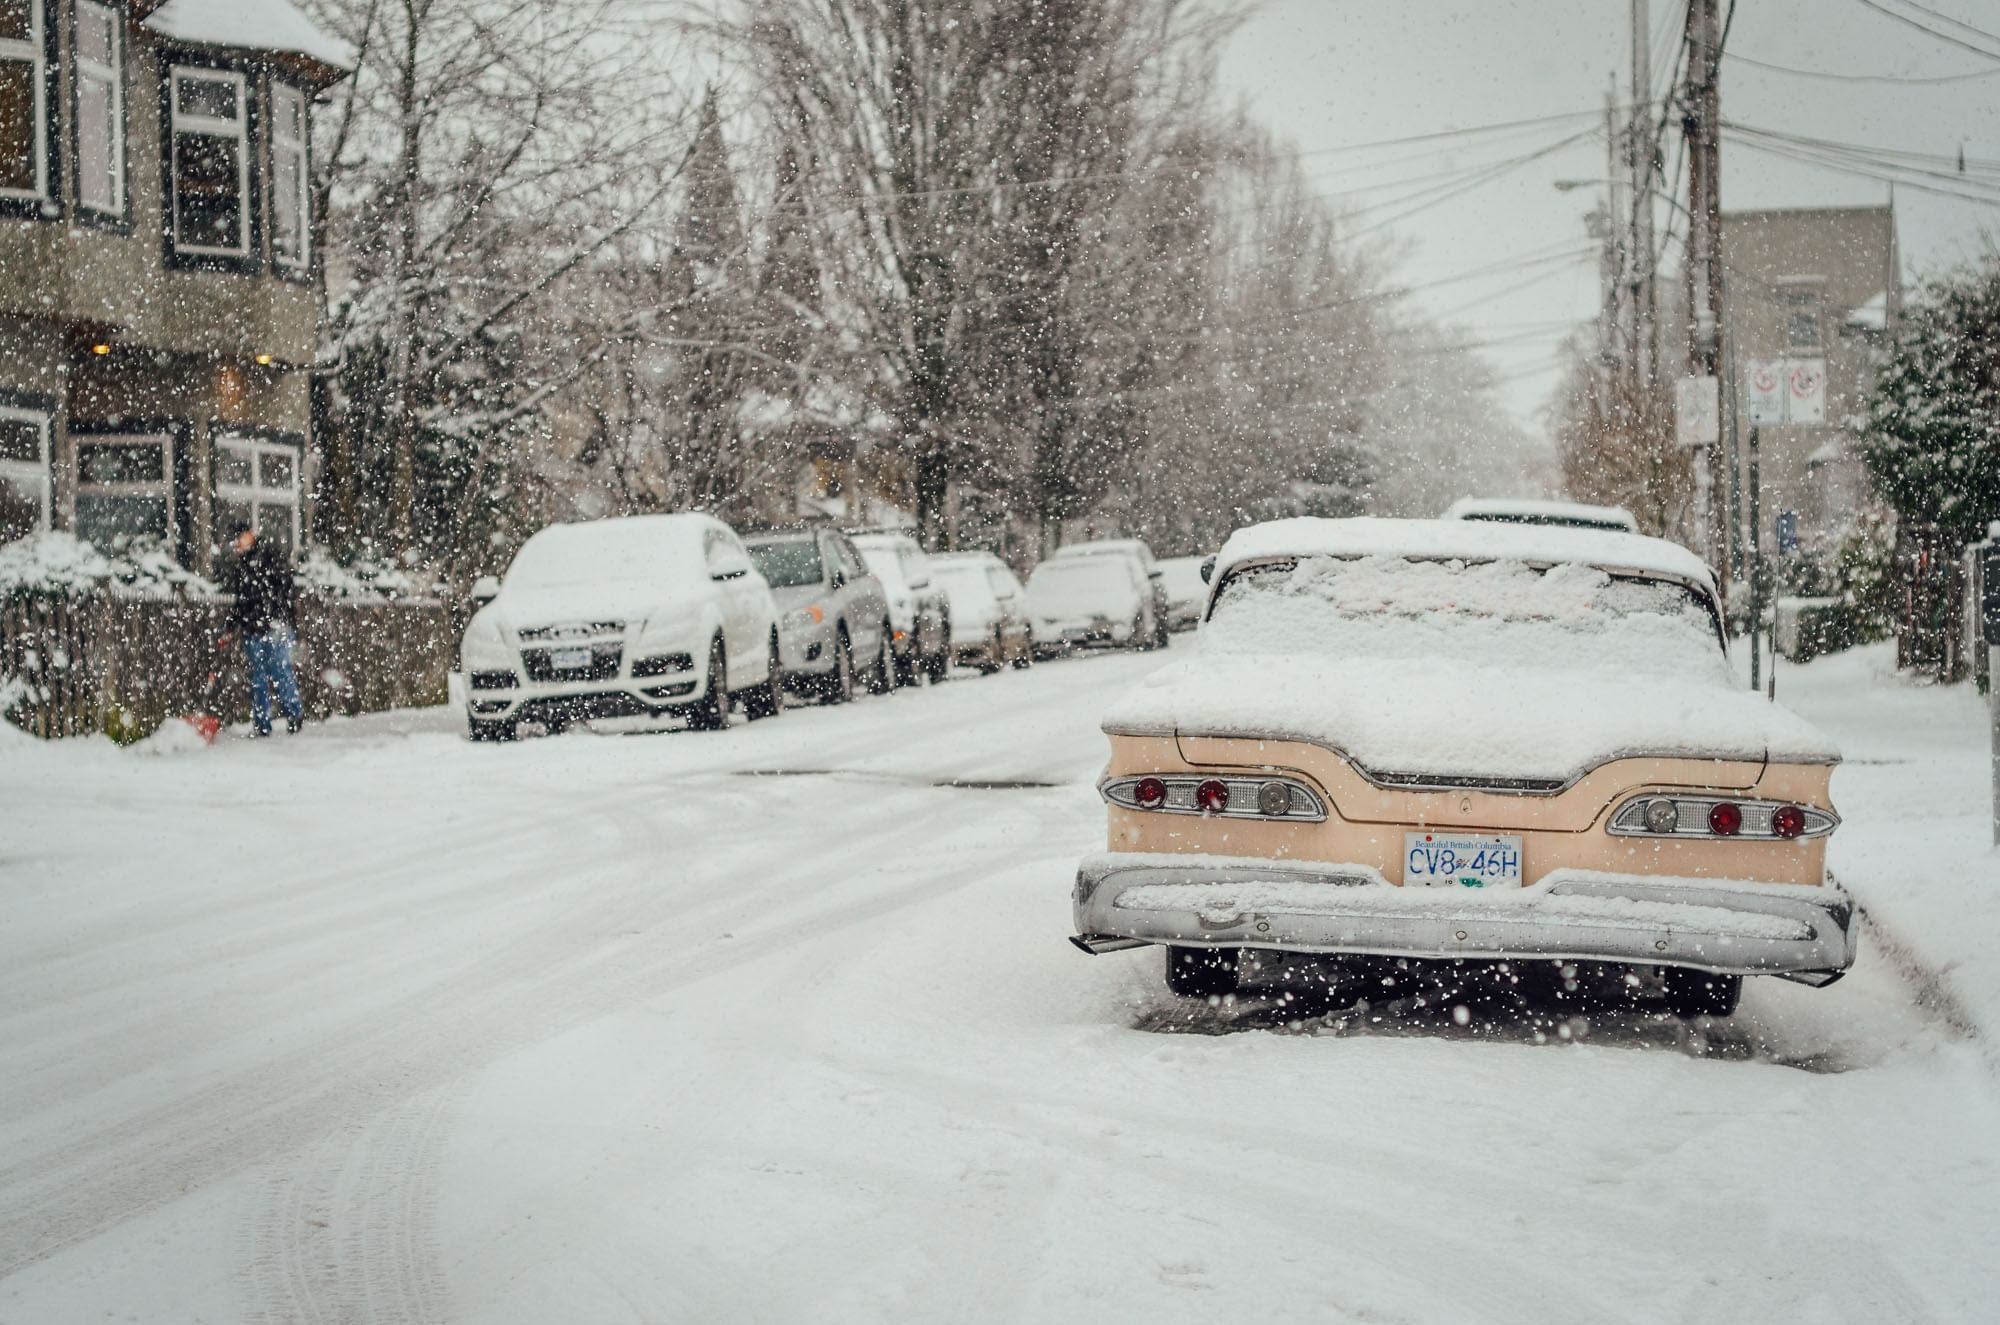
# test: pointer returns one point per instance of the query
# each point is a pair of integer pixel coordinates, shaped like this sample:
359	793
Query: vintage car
1495	743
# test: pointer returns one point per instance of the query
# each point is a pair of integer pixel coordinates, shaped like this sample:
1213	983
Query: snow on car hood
1454	718
1491	670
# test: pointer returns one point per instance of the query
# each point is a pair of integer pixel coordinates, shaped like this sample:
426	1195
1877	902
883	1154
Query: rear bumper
1207	901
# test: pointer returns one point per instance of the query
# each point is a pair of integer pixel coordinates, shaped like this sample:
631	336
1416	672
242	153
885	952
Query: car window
788	563
849	558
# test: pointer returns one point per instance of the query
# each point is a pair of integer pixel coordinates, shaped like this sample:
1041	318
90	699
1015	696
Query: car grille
572	630
494	681
603	664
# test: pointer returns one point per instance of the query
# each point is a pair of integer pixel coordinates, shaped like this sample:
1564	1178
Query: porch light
100	348
263	361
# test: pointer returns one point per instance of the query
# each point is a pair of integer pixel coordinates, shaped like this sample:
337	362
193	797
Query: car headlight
805	618
485	643
674	625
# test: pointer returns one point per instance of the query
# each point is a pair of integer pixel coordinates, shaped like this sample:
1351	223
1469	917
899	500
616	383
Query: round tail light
1788	821
1151	793
1725	819
1212	796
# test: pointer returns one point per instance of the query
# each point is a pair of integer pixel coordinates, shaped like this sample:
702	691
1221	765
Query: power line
1958	23
1825	76
1925	28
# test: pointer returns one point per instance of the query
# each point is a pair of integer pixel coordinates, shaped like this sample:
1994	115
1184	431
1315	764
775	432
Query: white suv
652	614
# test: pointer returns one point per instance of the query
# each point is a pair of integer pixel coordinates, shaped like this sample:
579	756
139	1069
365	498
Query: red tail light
1151	793
1212	796
1726	820
1788	821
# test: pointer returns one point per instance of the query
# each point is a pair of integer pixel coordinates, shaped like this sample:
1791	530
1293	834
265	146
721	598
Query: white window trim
39	473
238	129
112	77
34	52
296	171
163	486
253	494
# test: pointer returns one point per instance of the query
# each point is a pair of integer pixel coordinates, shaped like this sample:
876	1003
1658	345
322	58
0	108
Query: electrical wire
1825	76
1925	28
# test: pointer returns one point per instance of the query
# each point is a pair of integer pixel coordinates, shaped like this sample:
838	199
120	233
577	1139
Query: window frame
170	445
1800	298
38	52
119	215
44	473
175	65
255	494
301	172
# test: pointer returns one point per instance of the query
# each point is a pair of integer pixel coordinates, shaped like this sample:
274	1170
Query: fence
74	665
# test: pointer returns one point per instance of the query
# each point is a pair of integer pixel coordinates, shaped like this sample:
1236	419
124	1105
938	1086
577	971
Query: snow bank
1914	846
173	737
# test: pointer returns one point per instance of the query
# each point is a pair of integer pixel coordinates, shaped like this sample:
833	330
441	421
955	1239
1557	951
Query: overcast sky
1333	74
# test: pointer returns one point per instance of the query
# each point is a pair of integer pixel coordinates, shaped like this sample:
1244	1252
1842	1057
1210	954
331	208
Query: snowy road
779	1024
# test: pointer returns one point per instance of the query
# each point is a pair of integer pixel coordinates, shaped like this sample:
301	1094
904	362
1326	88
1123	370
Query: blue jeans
270	658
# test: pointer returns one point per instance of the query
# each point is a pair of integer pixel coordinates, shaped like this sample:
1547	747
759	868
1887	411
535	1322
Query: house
157	267
1822	287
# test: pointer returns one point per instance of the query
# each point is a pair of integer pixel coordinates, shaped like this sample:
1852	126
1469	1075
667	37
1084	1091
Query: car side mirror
485	589
727	573
1207	570
839	580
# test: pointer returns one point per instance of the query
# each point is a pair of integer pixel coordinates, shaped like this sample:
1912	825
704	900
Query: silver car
918	608
833	617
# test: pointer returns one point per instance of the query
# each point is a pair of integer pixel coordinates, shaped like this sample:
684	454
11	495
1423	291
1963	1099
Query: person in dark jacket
266	619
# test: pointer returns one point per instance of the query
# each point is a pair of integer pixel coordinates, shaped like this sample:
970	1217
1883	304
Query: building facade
158	308
1809	286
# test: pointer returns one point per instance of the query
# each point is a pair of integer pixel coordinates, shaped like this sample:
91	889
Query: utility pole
1639	154
1701	120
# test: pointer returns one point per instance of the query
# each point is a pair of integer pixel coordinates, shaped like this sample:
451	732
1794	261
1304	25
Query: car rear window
788	563
1500	611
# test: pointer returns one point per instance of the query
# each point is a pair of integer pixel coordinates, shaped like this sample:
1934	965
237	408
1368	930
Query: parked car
1408	740
653	614
1522	510
919	612
1155	630
1186	590
1079	601
989	610
833	618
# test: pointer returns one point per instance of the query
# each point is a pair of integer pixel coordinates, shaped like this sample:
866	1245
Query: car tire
1691	993
1202	972
909	667
996	656
767	700
499	729
838	687
1026	657
882	676
712	713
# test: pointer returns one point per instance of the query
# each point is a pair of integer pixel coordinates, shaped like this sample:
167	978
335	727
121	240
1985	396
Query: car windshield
608	552
965	578
886	566
1500	612
787	563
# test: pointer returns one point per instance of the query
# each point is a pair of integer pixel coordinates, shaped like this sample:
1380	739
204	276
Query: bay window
100	108
210	162
291	205
26	488
24	101
257	484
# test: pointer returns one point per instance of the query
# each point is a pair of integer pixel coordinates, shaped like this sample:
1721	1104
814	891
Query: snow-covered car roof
1098	547
1462	540
1528	510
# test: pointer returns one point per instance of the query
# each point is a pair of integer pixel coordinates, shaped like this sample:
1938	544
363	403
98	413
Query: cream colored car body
1333	881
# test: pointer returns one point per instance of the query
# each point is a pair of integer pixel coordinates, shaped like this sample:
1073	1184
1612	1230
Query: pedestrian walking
265	618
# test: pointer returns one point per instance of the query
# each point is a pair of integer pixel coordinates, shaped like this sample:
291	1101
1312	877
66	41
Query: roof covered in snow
1535	511
1872	315
256	25
1462	540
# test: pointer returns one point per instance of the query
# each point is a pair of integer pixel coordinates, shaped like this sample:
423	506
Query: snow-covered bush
61	564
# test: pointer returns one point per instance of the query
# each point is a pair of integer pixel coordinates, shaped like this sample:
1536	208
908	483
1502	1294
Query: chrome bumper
1801	932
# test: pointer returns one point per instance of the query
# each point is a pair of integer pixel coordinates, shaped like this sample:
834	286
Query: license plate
1461	860
569	660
